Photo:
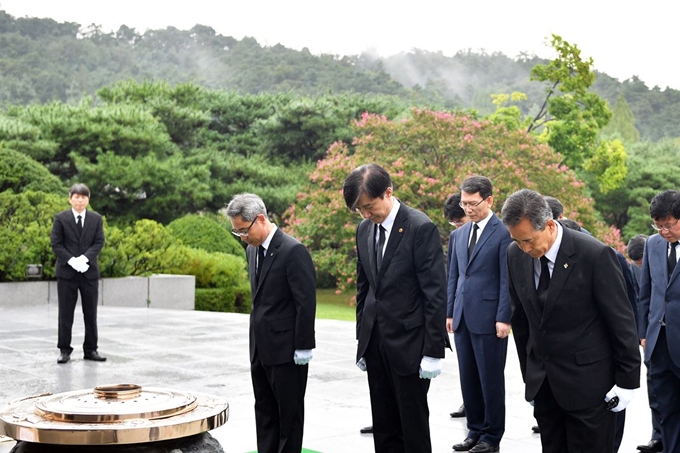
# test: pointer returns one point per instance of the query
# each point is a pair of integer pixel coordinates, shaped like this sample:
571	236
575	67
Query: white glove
79	264
625	396
302	356
362	364
430	367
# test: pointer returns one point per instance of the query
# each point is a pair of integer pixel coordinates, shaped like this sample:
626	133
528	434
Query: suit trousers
481	361
401	416
590	430
665	378
279	405
67	292
654	406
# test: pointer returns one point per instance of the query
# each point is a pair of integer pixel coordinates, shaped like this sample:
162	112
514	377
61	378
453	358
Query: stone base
204	443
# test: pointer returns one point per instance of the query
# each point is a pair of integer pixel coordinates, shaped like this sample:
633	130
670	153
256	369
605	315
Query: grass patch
332	306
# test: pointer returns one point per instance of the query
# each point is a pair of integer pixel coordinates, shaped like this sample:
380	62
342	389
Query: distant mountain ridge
42	60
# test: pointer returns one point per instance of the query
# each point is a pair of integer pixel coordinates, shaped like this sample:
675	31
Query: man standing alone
77	237
283	287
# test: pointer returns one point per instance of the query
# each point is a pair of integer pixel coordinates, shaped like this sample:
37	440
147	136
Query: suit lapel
489	229
252	269
370	241
563	266
270	256
397	233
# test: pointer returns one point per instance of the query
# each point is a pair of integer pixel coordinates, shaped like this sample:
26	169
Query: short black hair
474	184
555	206
452	209
80	189
636	246
665	204
369	179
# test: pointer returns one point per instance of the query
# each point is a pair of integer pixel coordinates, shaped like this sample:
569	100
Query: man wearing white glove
401	302
282	283
573	326
77	237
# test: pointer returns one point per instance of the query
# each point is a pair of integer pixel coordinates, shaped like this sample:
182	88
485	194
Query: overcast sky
623	38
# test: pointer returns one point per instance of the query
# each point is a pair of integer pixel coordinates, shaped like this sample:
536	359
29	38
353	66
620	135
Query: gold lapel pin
401	230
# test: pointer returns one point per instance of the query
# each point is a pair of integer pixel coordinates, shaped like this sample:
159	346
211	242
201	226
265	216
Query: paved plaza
208	352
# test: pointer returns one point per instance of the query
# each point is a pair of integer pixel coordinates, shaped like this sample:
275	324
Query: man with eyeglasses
659	309
283	292
478	314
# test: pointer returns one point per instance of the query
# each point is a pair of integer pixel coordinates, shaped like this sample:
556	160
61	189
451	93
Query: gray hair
246	205
526	204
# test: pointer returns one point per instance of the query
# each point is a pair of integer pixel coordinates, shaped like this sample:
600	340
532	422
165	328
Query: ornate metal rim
22	420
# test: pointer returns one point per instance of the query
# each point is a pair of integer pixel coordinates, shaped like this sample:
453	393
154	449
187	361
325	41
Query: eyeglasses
241	233
457	223
664	227
470	204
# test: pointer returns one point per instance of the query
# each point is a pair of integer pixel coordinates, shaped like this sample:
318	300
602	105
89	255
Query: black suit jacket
584	341
408	297
67	242
284	300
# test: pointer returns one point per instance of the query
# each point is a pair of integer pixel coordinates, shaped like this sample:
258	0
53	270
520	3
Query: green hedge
231	299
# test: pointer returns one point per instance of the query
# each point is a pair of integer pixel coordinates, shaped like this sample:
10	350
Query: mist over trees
42	61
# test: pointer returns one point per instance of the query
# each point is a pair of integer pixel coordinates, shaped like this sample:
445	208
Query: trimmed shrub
202	232
231	300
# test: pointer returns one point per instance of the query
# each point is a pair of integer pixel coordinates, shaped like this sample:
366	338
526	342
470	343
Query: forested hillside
42	60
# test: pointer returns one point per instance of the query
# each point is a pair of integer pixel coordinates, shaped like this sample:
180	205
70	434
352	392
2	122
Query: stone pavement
208	352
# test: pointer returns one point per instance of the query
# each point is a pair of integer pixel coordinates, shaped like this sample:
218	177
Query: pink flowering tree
428	156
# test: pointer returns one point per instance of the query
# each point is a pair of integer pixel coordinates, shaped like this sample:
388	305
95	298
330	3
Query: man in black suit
478	314
401	301
77	237
283	287
575	328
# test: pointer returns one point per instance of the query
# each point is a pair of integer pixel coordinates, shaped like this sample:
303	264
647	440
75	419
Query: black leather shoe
64	357
536	429
459	413
94	355
466	445
366	430
483	447
654	445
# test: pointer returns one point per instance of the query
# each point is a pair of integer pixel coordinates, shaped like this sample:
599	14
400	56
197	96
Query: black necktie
672	259
379	247
473	241
79	222
543	282
260	261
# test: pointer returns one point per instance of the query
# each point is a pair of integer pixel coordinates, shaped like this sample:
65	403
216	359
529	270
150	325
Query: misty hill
42	60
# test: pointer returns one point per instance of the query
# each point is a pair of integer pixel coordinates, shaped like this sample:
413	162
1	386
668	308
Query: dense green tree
25	225
20	173
428	156
653	168
622	124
